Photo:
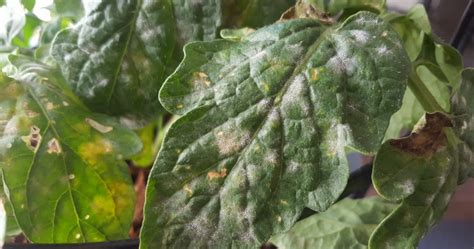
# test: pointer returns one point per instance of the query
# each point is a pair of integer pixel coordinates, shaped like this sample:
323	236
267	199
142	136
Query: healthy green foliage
463	111
421	171
266	124
347	224
61	164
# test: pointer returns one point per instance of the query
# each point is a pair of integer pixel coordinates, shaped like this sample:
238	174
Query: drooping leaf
463	111
347	224
116	57
61	163
267	121
421	170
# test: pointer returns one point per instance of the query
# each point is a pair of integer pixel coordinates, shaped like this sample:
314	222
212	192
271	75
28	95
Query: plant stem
429	103
422	93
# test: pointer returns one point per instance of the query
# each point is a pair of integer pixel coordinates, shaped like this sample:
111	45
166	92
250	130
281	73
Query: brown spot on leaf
217	174
54	147
427	138
303	9
33	140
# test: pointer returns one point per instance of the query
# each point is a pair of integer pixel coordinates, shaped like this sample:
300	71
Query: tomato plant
244	110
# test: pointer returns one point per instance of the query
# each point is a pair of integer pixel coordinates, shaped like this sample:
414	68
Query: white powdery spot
103	83
296	48
294	93
382	50
271	157
259	55
342	62
336	145
293	166
360	36
232	142
407	186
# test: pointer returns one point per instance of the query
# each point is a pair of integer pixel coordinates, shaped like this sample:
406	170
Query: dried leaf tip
427	137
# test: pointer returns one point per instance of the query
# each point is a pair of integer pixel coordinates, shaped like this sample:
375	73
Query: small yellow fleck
65	103
22	206
266	87
216	175
49	106
188	190
71	176
384	33
78	236
201	78
92	151
220	133
87	217
179	106
314	74
178	151
279	218
284	202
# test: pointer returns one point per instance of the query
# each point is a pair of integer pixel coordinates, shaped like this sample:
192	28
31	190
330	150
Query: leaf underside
421	170
61	164
347	224
266	123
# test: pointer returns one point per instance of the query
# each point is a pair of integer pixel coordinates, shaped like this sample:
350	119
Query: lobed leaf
267	120
463	111
347	224
421	170
62	164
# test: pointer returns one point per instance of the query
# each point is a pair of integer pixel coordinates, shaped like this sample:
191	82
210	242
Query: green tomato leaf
116	58
266	125
347	224
61	164
463	111
421	170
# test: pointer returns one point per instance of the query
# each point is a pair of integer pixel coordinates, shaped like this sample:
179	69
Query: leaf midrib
126	47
